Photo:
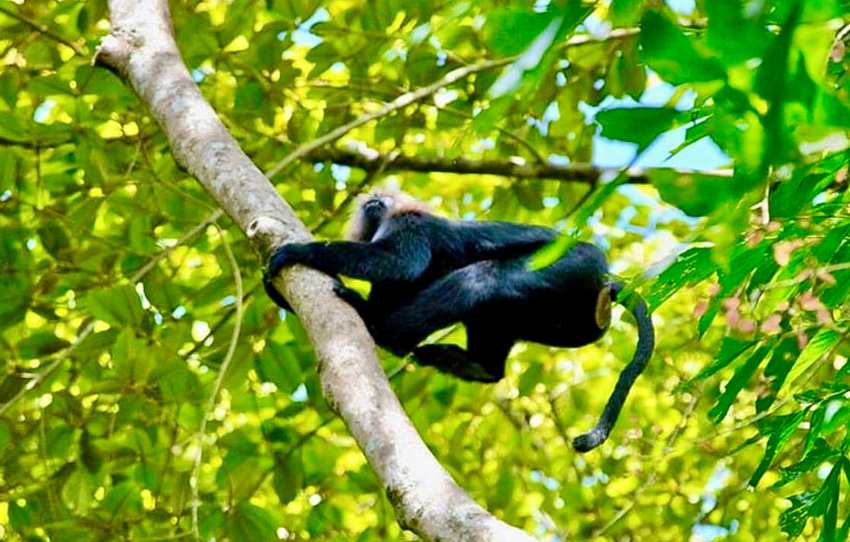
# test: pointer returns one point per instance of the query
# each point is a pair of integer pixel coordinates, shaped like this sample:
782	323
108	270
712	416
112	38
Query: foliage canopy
118	279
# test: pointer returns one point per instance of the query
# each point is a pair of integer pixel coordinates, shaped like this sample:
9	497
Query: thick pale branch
141	47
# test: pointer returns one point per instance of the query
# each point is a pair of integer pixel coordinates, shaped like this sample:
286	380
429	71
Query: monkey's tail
646	343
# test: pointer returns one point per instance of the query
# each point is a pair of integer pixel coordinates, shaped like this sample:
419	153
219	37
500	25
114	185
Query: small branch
614	35
194	481
400	102
463	166
215	215
43	29
581	173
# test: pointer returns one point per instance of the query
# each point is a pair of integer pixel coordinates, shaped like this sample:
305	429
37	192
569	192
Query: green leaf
250	96
503	493
124	500
116	305
510	31
782	427
249	522
690	267
530	377
737	36
78	491
288	479
9	86
54	238
278	364
730	349
639	125
813	504
673	55
736	383
695	194
817	348
820	453
5	436
59	441
625	12
133	357
771	83
40	343
776	371
531	65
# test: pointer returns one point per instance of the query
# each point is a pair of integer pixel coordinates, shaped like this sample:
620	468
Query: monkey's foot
452	359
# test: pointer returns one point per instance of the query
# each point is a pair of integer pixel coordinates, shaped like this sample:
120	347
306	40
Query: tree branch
427	501
581	173
506	168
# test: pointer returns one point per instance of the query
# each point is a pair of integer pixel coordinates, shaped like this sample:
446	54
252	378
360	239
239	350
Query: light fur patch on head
397	203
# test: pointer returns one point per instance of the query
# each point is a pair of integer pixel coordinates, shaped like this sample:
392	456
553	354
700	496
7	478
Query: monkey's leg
446	301
483	362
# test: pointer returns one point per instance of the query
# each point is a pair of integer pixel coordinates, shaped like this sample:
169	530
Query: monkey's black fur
428	273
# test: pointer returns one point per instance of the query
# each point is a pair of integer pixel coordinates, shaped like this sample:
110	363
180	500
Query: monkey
428	272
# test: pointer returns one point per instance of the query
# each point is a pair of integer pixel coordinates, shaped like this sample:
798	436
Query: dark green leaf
742	375
249	522
695	194
117	305
782	428
639	125
672	55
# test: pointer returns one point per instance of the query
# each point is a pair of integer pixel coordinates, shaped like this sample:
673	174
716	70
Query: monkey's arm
390	259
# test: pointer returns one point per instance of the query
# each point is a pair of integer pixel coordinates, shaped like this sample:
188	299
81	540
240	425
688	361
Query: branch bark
582	173
141	48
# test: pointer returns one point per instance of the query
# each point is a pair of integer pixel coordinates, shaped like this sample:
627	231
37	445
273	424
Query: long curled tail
646	342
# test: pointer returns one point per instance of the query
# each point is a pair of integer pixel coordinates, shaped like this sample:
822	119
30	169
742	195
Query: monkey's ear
603	308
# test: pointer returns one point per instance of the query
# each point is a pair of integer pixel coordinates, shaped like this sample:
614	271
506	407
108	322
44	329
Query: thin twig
400	102
215	215
194	481
43	29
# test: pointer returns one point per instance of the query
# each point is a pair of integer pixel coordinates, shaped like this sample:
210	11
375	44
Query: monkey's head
376	208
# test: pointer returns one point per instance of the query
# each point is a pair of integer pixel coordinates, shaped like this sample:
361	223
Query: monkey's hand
272	292
288	254
282	256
